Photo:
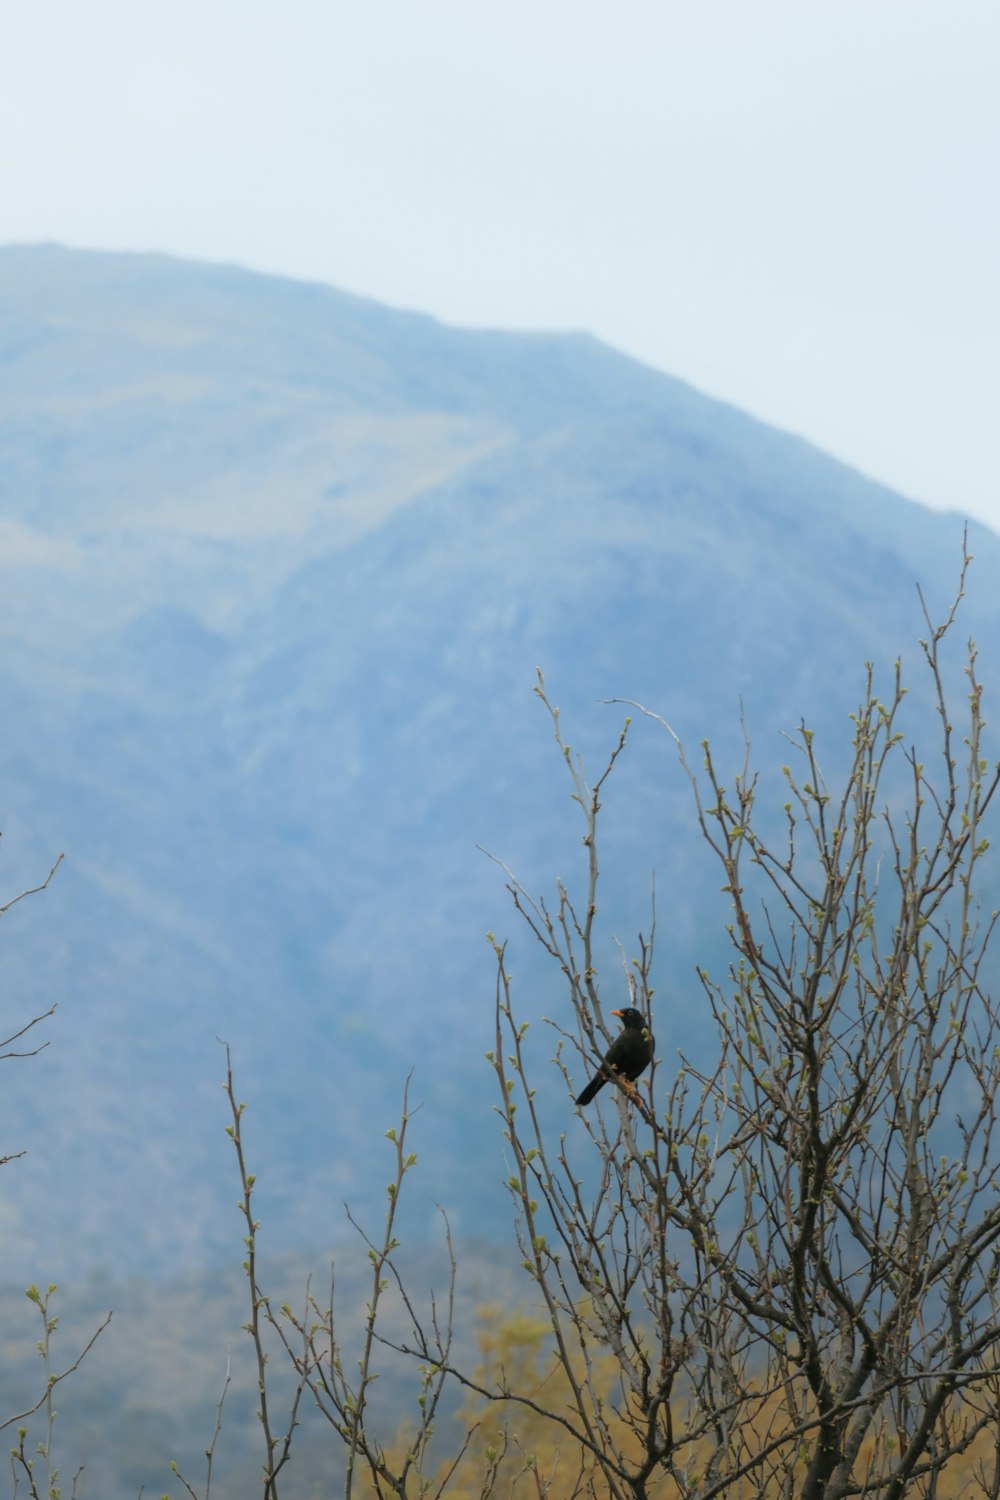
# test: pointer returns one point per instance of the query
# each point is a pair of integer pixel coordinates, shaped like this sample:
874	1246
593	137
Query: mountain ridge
275	597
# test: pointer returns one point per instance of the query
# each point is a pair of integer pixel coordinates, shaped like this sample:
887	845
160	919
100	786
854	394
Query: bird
627	1056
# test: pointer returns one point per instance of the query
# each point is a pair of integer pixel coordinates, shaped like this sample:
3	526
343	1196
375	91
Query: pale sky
793	204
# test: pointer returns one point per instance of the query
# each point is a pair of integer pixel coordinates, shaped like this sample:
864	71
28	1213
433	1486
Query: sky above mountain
789	204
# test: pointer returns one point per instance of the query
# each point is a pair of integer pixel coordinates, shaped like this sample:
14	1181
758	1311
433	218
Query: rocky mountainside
278	566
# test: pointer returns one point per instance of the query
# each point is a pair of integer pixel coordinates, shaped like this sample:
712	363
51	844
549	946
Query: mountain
278	566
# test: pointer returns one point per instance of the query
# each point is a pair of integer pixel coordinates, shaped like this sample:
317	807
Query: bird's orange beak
617	1013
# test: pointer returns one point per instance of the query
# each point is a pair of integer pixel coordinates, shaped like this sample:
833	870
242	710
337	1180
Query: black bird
627	1056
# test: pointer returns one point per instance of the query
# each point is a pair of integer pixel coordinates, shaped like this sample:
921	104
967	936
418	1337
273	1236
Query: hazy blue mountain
277	567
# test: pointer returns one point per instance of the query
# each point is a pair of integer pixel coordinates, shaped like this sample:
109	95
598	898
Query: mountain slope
278	565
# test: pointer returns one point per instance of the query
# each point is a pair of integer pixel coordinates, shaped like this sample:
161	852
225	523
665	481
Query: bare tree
342	1389
793	1254
339	1370
788	1258
35	1467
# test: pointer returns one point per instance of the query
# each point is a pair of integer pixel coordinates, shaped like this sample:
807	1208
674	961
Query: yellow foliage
528	1452
515	1451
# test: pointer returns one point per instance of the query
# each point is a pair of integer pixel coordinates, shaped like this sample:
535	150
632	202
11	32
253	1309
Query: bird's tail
592	1088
